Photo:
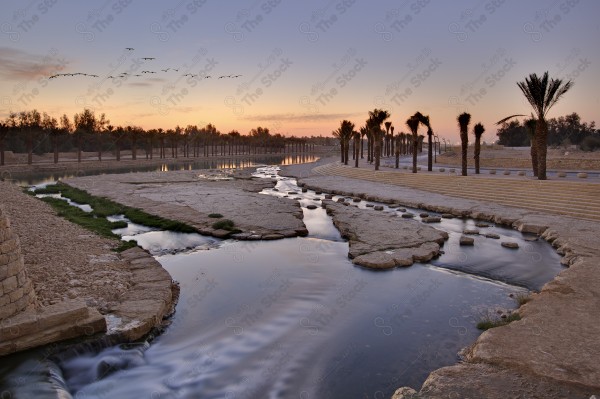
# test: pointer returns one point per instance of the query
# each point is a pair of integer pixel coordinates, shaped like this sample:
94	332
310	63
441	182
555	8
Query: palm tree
424	119
399	138
542	93
530	126
387	125
356	136
344	135
4	129
376	118
363	132
413	125
463	121
478	130
392	140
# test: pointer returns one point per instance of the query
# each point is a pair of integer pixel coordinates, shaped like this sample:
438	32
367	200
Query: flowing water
295	318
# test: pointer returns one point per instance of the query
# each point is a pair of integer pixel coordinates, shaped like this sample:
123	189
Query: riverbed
295	318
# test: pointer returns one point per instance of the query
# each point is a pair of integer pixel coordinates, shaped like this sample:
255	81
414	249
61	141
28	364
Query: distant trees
344	135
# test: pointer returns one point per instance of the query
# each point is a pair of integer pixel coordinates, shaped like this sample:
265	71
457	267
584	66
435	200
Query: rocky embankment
192	196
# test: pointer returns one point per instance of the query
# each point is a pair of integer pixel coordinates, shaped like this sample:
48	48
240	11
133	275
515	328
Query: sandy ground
500	157
64	260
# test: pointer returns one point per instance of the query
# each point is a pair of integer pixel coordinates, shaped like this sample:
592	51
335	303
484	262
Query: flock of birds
142	73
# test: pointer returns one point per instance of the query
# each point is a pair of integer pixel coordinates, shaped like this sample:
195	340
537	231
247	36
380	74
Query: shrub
224	224
590	143
215	215
488	322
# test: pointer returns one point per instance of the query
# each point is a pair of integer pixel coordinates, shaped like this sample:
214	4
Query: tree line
382	142
32	132
562	131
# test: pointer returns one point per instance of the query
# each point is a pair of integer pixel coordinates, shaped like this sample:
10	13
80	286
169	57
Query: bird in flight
148	58
129	48
165	70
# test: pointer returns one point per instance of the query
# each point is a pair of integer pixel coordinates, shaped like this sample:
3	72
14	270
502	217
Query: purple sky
305	65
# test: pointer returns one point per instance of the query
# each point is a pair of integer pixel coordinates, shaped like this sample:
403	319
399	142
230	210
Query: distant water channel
295	318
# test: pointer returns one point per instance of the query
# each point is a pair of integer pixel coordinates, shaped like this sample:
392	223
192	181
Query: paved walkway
578	199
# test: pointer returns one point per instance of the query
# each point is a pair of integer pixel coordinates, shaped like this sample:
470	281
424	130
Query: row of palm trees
541	92
37	133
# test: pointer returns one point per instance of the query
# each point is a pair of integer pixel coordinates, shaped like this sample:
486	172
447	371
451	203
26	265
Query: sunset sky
305	65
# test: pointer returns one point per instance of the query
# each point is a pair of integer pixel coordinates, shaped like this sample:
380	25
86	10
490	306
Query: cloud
16	64
301	117
139	84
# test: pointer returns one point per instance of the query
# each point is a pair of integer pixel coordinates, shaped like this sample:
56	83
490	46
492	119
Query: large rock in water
380	240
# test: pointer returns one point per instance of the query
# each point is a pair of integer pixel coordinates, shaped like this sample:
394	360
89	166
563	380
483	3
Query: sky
304	65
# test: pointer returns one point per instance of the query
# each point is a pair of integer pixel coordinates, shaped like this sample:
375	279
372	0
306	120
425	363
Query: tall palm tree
363	132
478	130
413	125
424	119
542	93
344	135
392	140
376	118
463	121
387	125
4	129
530	127
356	136
399	137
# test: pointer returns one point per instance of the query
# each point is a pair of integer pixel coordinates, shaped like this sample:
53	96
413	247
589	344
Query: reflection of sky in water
131	229
168	242
83	207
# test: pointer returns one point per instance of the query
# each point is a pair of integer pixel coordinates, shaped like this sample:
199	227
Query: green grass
101	208
488	323
224	224
215	215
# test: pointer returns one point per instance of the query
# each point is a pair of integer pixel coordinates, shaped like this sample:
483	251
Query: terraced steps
574	199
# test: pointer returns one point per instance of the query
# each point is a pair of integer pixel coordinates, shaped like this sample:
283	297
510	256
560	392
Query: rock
482	224
378	208
220	233
582	175
509	244
561	174
530	238
521	173
492	235
311	206
432	219
452	170
447	216
381	240
328	196
304	190
318	192
405	393
464	240
506	172
356	199
470	231
275	189
423	215
401	209
292	192
408	215
492	171
273	236
442	169
340	200
370	205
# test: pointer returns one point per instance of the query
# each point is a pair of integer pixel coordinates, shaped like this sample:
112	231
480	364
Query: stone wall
16	289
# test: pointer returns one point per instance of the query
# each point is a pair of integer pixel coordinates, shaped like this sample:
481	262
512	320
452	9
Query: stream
294	318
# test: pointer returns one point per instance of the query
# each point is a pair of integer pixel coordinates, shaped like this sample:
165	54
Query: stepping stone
317	199
341	200
447	216
275	189
561	174
356	199
292	192
452	170
506	172
470	232
464	240
530	238
432	219
509	244
318	193
482	224
304	190
370	205
297	198
408	215
582	175
378	208
442	169
311	206
521	173
328	196
423	215
492	235
401	209
492	171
